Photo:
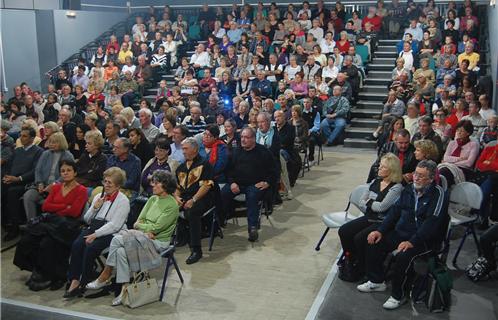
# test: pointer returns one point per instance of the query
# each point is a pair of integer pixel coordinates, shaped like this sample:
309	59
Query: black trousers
314	140
44	254
402	267
83	256
487	241
194	218
353	236
13	212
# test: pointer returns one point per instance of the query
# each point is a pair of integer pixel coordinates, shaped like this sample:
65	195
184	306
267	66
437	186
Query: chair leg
166	271
177	269
455	257
474	235
211	234
317	248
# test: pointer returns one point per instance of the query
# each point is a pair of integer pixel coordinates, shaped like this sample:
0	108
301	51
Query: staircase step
380	67
380	74
365	113
374	88
378	81
388	48
169	76
388	42
373	96
356	132
384	61
150	97
359	143
384	54
364	123
369	104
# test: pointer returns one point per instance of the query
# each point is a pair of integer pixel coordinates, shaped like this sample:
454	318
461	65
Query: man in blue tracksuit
413	227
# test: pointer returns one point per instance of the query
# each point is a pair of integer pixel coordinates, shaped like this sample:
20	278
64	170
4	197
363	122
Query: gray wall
493	44
31	4
73	33
20	57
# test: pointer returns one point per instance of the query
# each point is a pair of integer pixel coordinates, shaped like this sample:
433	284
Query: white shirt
169	47
128	68
329	72
408	57
201	59
116	214
273	68
291	71
327	47
317	33
486	114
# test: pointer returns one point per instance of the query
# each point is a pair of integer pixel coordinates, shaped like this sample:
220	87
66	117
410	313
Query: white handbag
143	290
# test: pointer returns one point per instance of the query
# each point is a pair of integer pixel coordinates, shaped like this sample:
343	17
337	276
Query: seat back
356	194
443	182
466	194
362	50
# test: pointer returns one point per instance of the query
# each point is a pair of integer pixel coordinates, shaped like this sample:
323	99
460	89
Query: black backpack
348	269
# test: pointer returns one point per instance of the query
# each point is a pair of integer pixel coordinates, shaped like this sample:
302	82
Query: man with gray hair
416	225
150	131
335	113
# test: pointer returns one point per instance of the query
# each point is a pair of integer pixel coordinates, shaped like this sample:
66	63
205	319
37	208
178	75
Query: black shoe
35	277
38	286
253	234
194	257
75	293
371	138
57	284
11	234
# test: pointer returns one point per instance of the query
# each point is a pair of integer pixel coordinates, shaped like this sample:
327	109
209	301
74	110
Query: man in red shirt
374	19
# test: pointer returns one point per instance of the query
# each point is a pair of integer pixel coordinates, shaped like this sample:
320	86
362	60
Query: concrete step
379	74
390	61
365	113
387	48
150	97
359	143
359	133
385	54
364	123
372	96
369	104
378	82
169	76
380	67
389	42
374	88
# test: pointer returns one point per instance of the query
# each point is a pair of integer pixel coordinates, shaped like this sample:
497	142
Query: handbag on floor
348	268
143	290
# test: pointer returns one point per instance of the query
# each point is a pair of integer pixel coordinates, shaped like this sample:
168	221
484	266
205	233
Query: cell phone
103	193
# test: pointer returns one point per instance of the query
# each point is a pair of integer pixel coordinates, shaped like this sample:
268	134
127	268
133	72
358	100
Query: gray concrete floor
275	278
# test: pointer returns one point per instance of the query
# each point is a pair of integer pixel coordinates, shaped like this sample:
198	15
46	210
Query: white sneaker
371	287
96	284
290	195
392	303
118	300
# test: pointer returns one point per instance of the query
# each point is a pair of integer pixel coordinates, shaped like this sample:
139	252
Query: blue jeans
253	196
332	128
487	189
128	98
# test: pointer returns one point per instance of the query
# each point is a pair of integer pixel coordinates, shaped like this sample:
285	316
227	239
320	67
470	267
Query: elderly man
393	107
124	159
414	226
346	87
128	88
311	114
235	33
195	124
289	156
195	180
143	75
262	84
213	109
425	132
403	149
200	59
150	131
124	53
251	171
180	132
335	113
310	69
66	125
19	171
477	120
470	55
352	73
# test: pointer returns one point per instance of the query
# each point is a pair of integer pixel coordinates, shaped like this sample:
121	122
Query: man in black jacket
414	226
251	171
403	149
425	132
20	172
289	156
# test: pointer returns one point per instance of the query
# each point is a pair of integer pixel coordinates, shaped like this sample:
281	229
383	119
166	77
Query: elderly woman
44	248
46	172
140	146
160	161
231	136
156	224
216	152
92	163
460	155
49	128
106	216
382	194
195	180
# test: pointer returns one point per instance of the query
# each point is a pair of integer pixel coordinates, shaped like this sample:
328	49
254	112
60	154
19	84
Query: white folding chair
337	219
464	197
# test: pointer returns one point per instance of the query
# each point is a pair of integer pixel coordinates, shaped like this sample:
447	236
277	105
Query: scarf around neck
265	138
460	142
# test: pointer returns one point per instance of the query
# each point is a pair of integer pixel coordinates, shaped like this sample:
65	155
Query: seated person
393	107
289	165
160	161
383	192
403	149
141	147
44	248
46	172
106	216
19	172
336	110
155	226
414	226
460	156
490	133
387	133
195	180
486	263
216	152
425	132
487	164
252	170
92	163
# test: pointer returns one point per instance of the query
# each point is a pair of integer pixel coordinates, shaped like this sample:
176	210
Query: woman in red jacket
488	165
44	249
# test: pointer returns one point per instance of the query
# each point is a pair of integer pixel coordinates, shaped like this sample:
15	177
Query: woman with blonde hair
381	195
47	172
426	150
49	128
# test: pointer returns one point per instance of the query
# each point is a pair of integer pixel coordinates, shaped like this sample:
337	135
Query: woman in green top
157	221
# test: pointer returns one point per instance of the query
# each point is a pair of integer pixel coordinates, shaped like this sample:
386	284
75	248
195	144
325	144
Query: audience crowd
262	89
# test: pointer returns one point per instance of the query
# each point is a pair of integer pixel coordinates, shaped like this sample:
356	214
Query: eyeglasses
417	175
108	182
